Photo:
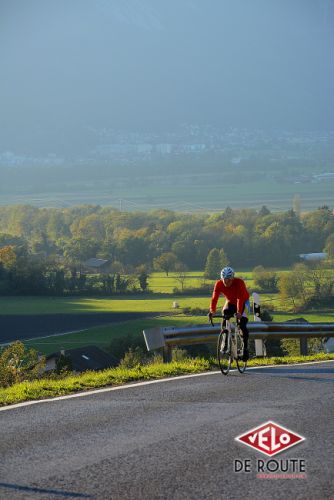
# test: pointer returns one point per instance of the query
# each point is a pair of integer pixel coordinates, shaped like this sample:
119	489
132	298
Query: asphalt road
22	327
172	440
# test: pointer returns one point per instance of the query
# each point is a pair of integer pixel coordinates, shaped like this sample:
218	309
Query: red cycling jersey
236	294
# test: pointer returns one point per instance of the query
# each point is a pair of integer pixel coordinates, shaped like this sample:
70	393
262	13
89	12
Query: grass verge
48	388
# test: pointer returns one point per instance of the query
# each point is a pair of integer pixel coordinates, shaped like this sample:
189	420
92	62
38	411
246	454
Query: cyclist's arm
243	296
215	297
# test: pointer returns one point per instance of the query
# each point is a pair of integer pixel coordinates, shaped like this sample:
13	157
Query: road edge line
144	383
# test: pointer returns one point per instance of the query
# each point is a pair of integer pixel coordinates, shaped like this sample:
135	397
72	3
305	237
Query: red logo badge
270	438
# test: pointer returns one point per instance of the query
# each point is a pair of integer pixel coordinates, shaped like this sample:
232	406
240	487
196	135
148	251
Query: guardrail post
167	354
260	346
303	346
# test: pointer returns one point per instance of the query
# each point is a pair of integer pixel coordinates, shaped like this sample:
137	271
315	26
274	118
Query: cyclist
236	294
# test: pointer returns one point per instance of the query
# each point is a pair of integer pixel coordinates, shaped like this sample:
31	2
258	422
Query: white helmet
227	273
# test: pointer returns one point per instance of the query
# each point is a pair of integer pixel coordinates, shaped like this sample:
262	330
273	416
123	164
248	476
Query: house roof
87	358
94	262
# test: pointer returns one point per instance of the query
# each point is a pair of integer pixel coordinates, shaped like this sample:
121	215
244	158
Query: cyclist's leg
227	313
245	334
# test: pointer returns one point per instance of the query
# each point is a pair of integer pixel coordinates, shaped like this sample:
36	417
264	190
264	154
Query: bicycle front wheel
223	356
241	365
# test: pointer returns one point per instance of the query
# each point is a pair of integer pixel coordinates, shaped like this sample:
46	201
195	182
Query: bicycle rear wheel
223	356
241	365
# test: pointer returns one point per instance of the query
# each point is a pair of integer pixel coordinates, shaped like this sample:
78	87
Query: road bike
230	346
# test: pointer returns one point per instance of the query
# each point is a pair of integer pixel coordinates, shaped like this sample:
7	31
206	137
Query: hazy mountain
70	66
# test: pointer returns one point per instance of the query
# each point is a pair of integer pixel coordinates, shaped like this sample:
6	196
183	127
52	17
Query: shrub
195	311
265	280
291	347
179	354
265	315
18	364
133	358
64	365
205	288
119	346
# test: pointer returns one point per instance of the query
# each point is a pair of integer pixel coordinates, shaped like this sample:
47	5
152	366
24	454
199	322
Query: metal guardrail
167	337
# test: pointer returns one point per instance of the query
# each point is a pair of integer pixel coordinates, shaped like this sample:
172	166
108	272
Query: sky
71	66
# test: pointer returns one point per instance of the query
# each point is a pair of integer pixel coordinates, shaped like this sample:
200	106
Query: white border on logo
302	438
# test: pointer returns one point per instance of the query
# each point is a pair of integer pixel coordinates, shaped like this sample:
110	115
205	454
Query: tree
318	224
280	238
224	260
143	278
58	281
166	262
121	283
118	283
134	250
213	264
264	211
288	290
293	285
296	204
8	256
329	246
108	283
79	250
181	276
90	227
185	251
323	286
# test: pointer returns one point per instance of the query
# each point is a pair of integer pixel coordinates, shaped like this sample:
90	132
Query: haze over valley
182	104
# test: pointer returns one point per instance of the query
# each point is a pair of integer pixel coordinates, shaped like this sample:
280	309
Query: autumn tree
8	256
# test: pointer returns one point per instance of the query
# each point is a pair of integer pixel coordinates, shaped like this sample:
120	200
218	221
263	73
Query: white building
313	256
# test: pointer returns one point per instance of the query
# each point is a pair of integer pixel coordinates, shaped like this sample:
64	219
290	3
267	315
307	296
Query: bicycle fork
225	346
233	337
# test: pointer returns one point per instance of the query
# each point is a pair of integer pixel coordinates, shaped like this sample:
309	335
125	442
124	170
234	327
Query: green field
160	305
160	283
68	305
181	193
103	335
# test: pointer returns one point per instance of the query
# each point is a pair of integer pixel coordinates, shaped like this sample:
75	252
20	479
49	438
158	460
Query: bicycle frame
230	335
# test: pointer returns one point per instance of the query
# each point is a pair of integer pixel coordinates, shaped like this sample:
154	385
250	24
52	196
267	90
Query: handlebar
221	316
